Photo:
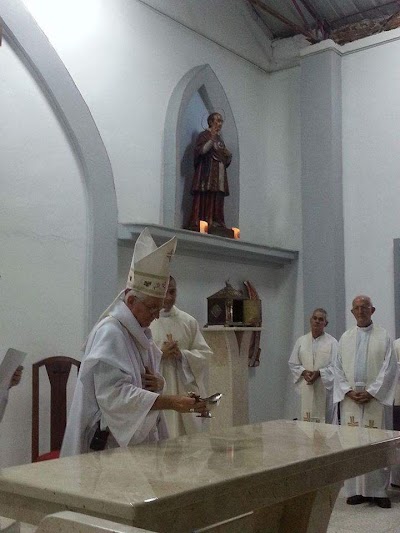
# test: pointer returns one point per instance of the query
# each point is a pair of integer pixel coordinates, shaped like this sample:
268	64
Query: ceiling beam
300	12
295	27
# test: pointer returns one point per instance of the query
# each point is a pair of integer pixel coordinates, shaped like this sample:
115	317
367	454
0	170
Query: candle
236	233
203	226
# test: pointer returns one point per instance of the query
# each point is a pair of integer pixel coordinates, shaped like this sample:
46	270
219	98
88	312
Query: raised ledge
204	245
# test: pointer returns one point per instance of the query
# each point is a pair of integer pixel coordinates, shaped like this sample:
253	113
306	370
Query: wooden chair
58	370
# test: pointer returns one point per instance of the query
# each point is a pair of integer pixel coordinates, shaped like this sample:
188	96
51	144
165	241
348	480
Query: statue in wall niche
210	181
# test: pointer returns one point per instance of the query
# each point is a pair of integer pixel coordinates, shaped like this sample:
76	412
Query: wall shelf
204	245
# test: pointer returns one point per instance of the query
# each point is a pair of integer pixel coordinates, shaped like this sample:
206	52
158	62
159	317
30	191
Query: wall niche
197	94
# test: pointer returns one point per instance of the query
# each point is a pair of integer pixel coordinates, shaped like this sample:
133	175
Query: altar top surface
125	482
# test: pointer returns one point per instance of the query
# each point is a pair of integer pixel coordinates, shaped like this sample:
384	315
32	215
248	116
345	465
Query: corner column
322	195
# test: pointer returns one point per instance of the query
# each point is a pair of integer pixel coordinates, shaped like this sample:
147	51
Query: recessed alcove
197	94
203	245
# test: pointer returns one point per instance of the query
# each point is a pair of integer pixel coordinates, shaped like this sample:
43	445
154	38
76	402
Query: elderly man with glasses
118	398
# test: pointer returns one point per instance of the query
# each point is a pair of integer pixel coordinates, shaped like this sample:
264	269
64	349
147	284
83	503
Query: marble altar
68	522
277	476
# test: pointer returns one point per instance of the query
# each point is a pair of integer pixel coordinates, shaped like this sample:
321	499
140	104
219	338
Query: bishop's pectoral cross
371	425
307	418
352	423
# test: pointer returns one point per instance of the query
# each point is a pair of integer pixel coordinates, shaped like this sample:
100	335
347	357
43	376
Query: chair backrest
58	370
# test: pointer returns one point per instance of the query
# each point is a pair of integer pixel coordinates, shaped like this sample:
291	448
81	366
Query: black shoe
357	499
385	503
395	486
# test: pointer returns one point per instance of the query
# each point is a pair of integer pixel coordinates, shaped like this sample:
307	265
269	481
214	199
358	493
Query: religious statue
210	181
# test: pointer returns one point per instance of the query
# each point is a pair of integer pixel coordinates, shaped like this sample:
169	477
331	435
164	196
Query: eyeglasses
152	310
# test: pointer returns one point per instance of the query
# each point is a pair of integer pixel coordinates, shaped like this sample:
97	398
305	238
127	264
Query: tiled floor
364	518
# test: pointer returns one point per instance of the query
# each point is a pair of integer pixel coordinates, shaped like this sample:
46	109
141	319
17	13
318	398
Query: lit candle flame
203	226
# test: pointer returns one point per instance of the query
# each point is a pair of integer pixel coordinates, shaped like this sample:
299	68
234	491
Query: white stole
363	354
313	397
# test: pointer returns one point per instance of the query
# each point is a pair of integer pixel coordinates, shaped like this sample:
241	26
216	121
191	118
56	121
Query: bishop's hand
184	404
151	381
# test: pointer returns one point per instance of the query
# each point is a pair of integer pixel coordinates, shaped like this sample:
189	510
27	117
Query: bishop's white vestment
315	354
190	373
109	386
366	361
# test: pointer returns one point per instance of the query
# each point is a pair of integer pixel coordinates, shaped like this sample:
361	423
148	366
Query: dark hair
211	118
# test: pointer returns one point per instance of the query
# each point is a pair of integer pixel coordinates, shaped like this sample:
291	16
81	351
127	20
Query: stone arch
29	42
201	79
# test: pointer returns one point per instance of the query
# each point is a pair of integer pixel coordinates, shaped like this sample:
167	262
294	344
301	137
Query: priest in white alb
184	362
118	399
365	383
311	365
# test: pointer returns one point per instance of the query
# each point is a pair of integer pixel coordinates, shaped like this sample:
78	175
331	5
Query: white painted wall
126	60
219	20
371	170
284	226
199	278
141	55
42	241
271	209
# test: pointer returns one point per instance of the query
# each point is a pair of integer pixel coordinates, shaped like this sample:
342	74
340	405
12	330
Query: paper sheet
12	360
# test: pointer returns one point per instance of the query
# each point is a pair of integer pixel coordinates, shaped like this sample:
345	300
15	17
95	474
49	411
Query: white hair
138	295
135	293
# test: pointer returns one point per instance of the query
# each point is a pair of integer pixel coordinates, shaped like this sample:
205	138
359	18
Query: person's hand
170	348
353	395
185	404
364	397
314	376
16	378
151	381
307	375
359	397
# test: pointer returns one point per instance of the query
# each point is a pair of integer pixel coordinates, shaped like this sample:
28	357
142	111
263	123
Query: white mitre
149	272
